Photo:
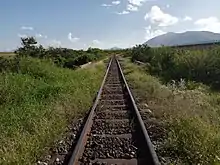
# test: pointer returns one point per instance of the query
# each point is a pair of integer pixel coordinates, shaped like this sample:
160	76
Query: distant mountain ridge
186	38
115	48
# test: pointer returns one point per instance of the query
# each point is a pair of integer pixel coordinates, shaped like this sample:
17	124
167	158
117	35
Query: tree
28	47
28	41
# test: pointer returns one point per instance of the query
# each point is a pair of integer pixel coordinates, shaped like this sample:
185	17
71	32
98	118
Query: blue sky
79	24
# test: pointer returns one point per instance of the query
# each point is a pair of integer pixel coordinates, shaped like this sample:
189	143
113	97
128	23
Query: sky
80	24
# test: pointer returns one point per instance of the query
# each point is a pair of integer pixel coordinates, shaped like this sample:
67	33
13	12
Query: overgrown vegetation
178	87
175	64
38	98
63	57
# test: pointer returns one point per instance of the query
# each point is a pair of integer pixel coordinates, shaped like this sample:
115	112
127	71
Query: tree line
63	57
176	64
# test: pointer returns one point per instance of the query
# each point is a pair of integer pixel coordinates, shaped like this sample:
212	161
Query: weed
191	116
38	102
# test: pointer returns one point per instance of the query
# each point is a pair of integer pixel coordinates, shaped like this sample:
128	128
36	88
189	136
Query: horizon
103	24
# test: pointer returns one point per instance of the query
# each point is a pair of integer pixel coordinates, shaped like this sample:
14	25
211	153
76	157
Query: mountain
186	38
115	48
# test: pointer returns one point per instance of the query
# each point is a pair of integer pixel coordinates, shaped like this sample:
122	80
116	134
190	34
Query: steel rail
153	156
149	156
83	137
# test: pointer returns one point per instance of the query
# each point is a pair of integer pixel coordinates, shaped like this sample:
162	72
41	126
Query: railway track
114	132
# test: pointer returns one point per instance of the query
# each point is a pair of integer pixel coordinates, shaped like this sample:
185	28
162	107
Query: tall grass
191	117
37	102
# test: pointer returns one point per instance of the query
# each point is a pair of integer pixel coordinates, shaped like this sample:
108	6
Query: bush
9	64
173	64
62	57
141	53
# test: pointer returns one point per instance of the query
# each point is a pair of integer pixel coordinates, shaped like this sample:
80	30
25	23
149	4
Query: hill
115	48
186	38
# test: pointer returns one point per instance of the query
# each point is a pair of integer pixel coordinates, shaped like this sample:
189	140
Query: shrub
62	57
173	64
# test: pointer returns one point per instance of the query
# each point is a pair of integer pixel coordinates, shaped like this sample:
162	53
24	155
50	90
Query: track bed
114	133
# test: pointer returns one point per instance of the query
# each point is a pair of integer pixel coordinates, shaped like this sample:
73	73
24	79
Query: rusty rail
114	132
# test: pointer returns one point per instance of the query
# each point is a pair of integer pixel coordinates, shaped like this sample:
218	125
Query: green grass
38	102
191	117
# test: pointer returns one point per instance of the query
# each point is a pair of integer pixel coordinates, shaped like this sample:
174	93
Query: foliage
37	102
190	118
40	96
175	64
63	57
141	53
9	64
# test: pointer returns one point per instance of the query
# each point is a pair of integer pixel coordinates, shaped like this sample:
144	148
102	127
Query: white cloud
158	17
208	24
151	33
106	5
51	43
113	3
134	5
27	28
187	18
55	43
137	2
132	8
22	36
123	12
116	2
95	42
40	36
168	6
72	39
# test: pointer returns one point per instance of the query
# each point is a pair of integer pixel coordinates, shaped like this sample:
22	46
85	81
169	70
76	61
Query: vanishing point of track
114	132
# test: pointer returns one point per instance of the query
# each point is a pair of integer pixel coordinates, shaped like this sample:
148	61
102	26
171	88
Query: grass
191	117
38	102
6	54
